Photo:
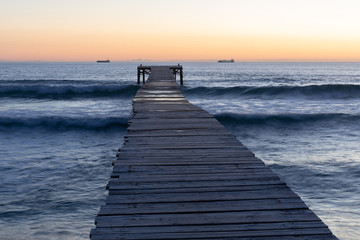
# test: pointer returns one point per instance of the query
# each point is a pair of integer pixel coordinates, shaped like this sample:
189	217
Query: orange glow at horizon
183	35
185	48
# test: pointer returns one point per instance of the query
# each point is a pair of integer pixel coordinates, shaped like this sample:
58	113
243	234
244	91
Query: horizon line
163	61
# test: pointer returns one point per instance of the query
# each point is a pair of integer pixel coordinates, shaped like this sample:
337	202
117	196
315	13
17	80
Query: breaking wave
65	90
330	91
230	118
67	123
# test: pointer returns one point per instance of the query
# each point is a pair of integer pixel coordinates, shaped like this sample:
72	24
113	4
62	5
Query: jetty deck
182	175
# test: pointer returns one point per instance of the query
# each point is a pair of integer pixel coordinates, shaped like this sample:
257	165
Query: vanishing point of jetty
182	175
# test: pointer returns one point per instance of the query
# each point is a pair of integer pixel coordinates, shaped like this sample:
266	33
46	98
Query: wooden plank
204	196
176	133
212	228
145	127
181	139
178	145
209	168
181	104
195	207
197	176
234	159
175	121
123	184
181	152
196	172
232	234
212	236
128	177
181	148
197	189
205	218
169	161
174	162
172	115
156	99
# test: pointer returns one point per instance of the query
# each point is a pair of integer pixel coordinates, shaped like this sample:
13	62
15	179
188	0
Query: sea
62	123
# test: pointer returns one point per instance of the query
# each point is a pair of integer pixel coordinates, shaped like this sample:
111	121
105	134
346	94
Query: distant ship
103	61
226	61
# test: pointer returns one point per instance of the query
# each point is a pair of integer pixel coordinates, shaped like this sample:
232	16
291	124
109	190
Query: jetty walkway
182	175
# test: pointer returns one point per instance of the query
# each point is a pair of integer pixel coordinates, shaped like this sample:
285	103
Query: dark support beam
181	77
138	76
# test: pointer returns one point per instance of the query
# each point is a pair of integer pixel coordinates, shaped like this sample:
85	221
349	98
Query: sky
187	30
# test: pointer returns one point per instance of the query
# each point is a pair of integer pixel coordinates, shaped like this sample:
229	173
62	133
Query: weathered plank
178	132
281	234
206	218
215	228
190	169
197	207
196	189
203	196
119	184
214	236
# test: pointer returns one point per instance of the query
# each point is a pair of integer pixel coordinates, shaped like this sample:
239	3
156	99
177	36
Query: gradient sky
187	30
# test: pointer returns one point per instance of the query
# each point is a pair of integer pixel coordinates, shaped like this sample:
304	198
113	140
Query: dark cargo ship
226	61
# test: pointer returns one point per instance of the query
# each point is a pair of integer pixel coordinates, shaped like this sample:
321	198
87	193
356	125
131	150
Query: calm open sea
61	124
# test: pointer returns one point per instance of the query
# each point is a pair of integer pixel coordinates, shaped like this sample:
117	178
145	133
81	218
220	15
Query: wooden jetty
182	175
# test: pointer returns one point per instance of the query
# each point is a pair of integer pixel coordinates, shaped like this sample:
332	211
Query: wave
313	176
227	118
329	91
64	123
66	90
230	118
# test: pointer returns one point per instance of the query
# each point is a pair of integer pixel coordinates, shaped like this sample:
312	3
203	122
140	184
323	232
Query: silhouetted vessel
226	61
103	61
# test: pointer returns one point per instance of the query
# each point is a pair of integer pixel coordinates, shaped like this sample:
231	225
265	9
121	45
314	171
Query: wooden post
143	73
138	76
181	77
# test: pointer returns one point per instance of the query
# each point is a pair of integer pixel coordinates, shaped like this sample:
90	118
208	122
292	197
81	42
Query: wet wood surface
182	175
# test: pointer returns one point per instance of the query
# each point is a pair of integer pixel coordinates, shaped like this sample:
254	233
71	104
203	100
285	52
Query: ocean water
61	125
